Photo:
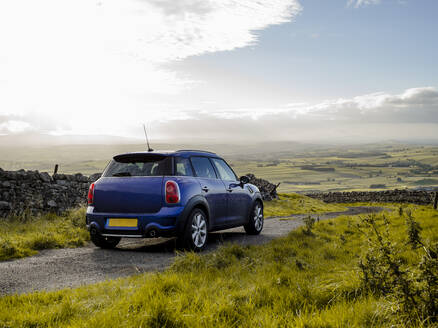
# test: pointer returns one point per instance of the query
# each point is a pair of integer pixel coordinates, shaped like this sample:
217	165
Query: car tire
104	242
255	220
195	234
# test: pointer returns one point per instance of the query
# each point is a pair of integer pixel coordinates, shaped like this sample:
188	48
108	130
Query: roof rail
196	150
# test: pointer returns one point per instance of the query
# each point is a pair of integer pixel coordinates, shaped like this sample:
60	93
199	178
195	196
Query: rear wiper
122	174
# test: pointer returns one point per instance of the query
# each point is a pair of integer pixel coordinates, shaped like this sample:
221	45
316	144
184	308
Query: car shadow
169	245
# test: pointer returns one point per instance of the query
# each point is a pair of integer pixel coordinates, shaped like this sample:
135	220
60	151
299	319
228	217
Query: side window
225	172
183	167
203	167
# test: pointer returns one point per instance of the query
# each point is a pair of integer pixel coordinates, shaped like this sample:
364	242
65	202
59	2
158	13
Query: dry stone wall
267	190
39	192
387	196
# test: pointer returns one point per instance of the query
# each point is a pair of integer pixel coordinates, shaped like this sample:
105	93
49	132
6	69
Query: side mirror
244	180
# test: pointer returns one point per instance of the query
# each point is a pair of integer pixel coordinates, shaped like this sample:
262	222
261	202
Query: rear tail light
91	194
172	192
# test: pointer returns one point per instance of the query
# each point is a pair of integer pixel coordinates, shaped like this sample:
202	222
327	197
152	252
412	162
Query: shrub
413	231
384	271
309	221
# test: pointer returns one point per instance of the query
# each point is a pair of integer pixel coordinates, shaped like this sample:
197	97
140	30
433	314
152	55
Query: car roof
182	153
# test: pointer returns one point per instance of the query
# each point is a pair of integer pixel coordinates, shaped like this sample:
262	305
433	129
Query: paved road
72	267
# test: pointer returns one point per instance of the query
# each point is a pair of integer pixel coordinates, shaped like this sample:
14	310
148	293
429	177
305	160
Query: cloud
361	3
12	123
412	113
90	67
415	105
106	61
125	39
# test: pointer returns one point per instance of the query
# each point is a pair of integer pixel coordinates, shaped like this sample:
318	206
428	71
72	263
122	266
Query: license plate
122	223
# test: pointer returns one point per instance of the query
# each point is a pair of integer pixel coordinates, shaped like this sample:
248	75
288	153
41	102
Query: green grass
426	182
26	235
289	204
302	280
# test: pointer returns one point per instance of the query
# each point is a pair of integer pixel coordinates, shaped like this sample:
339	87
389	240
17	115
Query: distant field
298	167
355	169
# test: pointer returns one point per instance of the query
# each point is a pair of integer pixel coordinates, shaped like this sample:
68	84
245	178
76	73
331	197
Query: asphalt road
72	267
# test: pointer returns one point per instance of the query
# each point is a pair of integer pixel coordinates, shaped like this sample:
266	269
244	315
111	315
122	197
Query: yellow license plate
122	223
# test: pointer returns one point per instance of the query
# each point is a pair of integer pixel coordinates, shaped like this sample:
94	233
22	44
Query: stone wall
267	190
39	192
387	196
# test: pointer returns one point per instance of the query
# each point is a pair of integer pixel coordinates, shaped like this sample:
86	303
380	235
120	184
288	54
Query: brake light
91	194
172	192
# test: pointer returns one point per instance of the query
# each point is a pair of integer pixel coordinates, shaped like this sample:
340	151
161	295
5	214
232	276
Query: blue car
184	194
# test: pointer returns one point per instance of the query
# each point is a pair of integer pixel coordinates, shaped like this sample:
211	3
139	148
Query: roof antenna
147	140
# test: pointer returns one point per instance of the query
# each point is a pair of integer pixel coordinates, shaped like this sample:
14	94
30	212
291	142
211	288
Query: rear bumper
161	224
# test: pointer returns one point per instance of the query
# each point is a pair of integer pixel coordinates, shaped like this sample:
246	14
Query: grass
26	235
302	280
289	204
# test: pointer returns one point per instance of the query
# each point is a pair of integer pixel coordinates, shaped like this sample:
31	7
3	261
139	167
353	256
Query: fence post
56	169
435	202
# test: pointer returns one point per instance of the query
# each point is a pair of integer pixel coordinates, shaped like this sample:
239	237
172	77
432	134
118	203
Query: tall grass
302	280
289	204
25	235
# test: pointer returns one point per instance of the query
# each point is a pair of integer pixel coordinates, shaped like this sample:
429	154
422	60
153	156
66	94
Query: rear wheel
104	242
195	234
256	220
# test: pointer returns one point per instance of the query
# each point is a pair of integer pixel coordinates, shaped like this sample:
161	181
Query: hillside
316	276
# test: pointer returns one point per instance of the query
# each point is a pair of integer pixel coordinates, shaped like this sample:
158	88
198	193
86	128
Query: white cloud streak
362	3
338	118
412	113
331	118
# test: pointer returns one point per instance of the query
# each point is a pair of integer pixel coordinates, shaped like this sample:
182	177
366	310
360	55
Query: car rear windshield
139	165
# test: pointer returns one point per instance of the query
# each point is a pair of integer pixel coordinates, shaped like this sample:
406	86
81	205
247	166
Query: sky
221	70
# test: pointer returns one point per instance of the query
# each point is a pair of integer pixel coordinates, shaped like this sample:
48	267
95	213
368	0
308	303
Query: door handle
205	188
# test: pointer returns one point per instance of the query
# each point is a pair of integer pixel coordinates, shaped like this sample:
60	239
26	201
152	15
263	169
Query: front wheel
195	234
255	221
104	242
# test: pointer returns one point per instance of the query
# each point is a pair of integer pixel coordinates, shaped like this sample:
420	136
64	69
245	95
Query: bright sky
230	69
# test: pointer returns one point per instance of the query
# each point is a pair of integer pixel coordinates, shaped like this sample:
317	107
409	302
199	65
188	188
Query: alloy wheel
199	230
258	217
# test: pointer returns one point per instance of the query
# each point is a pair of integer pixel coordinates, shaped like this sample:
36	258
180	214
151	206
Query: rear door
132	183
238	198
212	189
128	195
